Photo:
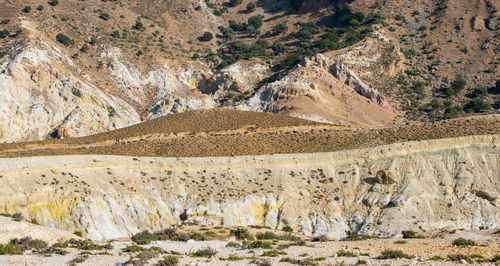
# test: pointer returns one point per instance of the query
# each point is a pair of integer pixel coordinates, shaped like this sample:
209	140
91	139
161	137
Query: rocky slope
41	97
421	186
402	58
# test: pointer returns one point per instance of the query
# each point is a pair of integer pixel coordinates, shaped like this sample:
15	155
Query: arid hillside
76	68
226	132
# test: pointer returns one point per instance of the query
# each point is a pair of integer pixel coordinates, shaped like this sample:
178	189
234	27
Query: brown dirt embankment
225	132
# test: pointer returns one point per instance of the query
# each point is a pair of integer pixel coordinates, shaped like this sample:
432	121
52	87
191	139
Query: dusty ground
306	253
224	132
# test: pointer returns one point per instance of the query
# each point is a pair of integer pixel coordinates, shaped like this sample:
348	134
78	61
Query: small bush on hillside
457	86
410	234
242	234
287	229
250	7
9	249
207	253
462	242
17	217
459	257
64	40
206	37
27	9
53	2
4	34
169	261
88	245
393	254
39	8
344	253
234	3
138	25
478	104
259	244
451	111
132	249
104	16
143	238
256	21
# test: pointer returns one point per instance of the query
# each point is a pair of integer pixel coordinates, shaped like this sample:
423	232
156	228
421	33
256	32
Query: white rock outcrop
41	97
439	184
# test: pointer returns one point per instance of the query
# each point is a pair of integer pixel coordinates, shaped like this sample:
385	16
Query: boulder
385	177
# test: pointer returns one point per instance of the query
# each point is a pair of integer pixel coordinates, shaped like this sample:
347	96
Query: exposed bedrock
424	186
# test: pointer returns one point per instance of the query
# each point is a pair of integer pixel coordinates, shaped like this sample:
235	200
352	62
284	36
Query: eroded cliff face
41	96
47	94
452	183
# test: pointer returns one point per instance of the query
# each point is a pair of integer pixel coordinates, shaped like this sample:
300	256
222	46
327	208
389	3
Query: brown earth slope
224	132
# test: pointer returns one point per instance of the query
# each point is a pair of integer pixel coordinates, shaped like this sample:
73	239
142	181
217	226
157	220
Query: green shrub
410	234
9	249
104	16
143	238
259	244
133	249
458	84
234	3
437	258
53	2
267	236
451	111
345	253
256	21
206	37
496	258
4	34
84	49
459	257
17	217
242	234
207	253
287	229
39	8
234	258
138	25
279	29
87	244
64	40
480	92
169	261
270	253
462	242
393	254
478	104
250	7
27	9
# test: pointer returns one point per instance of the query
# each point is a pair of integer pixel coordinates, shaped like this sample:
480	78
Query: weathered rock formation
324	90
440	184
40	96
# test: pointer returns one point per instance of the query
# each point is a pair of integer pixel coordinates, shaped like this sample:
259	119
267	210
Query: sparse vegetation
393	254
207	253
169	261
65	40
462	242
242	234
206	37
